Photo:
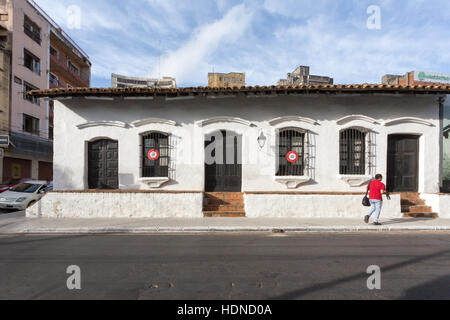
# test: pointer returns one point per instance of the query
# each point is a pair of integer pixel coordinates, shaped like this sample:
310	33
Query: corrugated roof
269	90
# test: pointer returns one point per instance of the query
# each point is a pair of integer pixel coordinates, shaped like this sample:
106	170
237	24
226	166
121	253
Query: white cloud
183	62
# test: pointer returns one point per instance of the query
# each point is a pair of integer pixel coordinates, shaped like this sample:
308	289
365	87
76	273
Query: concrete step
224	214
421	215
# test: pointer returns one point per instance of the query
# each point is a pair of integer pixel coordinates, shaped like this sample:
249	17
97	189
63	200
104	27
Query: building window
30	124
352	152
28	87
32	30
31	62
54	79
54	52
291	140
17	80
72	67
159	167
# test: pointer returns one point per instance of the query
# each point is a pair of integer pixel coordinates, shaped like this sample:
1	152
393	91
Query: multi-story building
416	78
42	56
119	81
5	81
226	80
301	76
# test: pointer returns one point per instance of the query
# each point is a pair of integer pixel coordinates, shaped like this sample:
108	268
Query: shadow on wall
64	178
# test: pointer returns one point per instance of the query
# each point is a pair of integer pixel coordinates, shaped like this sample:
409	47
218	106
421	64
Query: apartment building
120	81
42	56
5	80
226	80
301	76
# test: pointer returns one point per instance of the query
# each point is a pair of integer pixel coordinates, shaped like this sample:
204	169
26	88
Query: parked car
12	183
49	187
23	195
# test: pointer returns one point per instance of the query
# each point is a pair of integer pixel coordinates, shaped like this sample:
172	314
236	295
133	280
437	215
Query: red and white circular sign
153	154
292	156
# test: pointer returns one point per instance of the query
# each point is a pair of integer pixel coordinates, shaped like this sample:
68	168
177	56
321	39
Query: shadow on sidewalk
406	220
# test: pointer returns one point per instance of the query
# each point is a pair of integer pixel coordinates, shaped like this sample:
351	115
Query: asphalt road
226	266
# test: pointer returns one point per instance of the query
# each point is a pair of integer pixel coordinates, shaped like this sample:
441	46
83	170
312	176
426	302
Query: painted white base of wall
190	205
439	202
315	206
118	205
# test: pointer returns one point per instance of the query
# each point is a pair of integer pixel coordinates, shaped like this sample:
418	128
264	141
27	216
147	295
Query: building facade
301	76
119	81
5	81
42	56
226	80
430	78
305	151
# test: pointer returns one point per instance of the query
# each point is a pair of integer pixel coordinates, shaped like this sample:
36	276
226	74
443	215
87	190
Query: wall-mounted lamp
262	140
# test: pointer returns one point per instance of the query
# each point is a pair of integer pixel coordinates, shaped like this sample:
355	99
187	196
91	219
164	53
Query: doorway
223	162
103	165
403	163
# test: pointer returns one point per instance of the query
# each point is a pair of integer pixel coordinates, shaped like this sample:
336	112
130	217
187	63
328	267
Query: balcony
32	34
61	66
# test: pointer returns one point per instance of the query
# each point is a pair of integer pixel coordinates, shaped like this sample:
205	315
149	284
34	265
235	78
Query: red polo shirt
375	190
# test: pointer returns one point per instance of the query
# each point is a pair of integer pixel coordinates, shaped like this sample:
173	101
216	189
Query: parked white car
23	195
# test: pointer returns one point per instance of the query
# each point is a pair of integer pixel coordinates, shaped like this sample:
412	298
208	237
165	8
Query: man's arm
386	193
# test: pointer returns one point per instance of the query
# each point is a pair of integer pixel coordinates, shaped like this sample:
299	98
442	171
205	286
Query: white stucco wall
315	206
440	203
70	172
118	205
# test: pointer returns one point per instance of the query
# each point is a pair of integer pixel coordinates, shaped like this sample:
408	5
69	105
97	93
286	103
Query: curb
144	230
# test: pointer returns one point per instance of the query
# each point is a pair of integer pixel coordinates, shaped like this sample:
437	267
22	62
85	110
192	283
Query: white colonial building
306	151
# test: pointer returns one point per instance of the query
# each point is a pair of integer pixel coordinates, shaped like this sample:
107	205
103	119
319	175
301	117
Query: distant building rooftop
120	81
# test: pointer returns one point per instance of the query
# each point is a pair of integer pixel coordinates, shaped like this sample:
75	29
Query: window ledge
355	180
154	183
293	182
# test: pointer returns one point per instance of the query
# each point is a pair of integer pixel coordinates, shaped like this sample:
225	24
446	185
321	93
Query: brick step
421	215
420	209
224	195
412	202
406	195
217	202
224	214
224	207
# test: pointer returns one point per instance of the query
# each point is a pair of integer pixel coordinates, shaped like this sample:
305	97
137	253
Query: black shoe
366	219
377	224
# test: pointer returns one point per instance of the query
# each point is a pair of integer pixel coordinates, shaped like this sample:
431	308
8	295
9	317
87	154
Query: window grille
159	167
352	152
291	140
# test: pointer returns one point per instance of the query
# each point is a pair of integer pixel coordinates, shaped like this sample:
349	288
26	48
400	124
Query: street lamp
262	140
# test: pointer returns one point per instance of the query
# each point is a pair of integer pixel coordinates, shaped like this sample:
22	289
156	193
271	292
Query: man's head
379	177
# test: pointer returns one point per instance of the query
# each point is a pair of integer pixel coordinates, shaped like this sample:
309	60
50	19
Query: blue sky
263	38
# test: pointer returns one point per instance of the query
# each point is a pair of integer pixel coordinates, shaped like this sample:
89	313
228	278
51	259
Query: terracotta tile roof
203	91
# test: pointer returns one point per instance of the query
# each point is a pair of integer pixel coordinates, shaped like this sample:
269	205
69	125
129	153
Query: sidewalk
17	223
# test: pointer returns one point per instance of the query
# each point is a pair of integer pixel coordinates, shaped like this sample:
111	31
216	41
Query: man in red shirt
376	191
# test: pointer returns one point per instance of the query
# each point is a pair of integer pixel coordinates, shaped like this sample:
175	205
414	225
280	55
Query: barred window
160	166
352	152
291	140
